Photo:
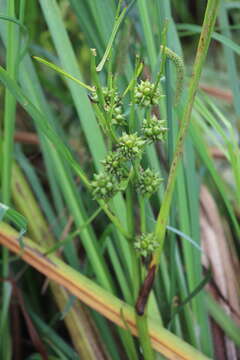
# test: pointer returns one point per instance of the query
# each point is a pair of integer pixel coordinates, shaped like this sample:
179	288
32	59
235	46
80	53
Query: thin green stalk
142	205
22	10
118	21
143	333
8	133
129	207
141	321
62	72
10	109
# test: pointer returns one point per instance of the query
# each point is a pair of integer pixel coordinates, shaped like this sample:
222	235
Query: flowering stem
205	37
179	65
141	321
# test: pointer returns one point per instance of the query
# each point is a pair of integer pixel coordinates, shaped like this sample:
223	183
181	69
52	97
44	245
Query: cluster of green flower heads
123	162
145	244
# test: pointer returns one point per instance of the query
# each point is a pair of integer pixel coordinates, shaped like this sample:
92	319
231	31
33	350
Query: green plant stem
62	72
130	219
8	133
142	205
141	321
118	21
10	109
207	30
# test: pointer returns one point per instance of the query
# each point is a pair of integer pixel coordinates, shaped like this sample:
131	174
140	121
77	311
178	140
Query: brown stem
26	137
145	291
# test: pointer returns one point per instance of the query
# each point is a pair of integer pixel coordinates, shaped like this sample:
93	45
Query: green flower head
130	146
113	165
112	103
109	96
148	182
145	244
104	186
118	117
154	129
145	94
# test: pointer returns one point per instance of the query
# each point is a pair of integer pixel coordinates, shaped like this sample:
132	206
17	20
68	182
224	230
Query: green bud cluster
112	103
154	129
104	186
130	146
145	244
148	182
118	117
145	93
109	96
113	165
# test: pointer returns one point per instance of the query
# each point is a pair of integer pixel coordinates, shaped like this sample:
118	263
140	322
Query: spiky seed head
118	117
104	186
130	146
113	165
110	96
148	182
145	244
145	94
154	129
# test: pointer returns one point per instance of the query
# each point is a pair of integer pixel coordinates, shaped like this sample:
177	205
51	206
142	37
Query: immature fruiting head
146	244
118	117
113	165
154	129
110	96
145	94
104	186
148	182
130	146
112	103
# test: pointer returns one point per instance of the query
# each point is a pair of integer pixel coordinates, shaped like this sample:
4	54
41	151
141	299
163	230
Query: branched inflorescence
123	163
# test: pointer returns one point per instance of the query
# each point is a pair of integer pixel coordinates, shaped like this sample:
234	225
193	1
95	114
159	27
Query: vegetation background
196	291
